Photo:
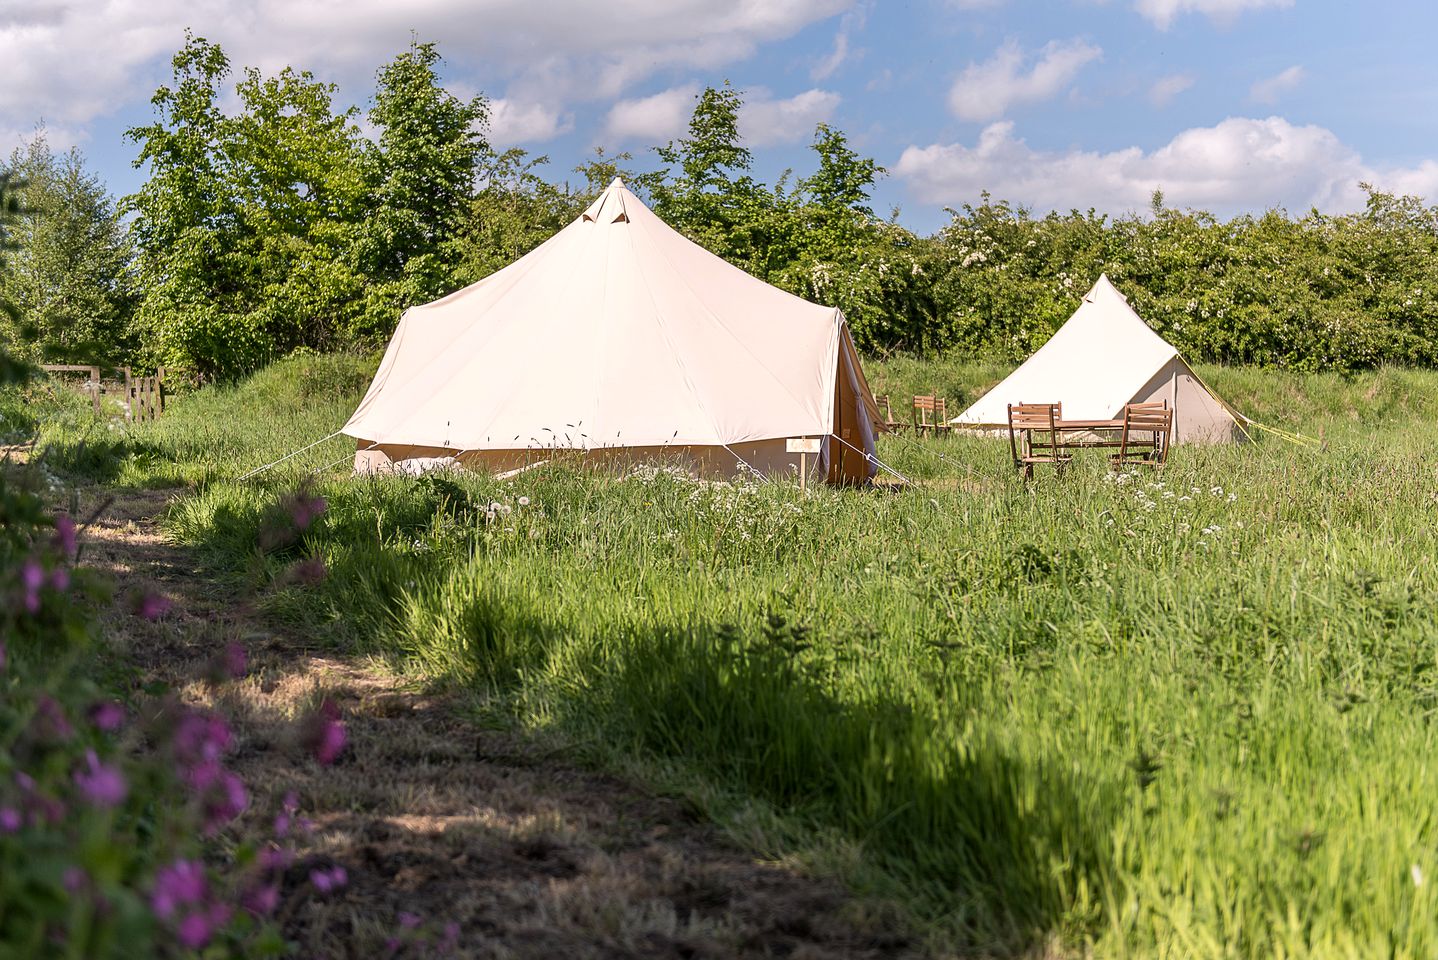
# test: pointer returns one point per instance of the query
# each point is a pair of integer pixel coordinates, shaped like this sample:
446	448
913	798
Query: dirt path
432	816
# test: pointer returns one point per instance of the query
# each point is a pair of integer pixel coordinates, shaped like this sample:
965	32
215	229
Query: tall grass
1186	715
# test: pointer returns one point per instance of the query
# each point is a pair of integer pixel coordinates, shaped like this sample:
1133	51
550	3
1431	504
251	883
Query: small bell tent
623	340
1102	358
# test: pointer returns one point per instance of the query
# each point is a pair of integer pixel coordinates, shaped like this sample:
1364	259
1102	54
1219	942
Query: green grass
1187	716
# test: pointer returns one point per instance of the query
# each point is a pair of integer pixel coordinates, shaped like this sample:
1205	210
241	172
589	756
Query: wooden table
1064	427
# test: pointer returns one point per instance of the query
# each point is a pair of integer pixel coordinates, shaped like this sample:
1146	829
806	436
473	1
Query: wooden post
129	395
95	389
803	483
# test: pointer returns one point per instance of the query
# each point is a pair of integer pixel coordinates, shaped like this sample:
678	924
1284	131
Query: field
1187	715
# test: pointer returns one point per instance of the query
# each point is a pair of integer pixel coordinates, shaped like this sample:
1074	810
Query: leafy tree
12	369
296	171
840	186
69	279
422	172
713	199
514	211
247	225
188	225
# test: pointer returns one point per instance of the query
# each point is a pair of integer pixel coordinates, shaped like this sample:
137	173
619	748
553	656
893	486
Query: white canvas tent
1105	356
620	338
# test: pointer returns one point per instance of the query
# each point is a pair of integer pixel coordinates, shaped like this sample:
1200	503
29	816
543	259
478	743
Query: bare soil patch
430	815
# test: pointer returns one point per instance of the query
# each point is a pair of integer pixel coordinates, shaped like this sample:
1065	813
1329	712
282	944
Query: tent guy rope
259	470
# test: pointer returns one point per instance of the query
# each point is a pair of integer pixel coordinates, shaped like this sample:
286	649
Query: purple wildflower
200	737
324	734
50	720
180	884
450	942
32	577
65	534
311	571
107	716
10	820
196	930
304	510
59	579
275	859
261	899
409	921
75	879
150	605
2	654
288	807
226	802
327	881
102	785
228	664
236	660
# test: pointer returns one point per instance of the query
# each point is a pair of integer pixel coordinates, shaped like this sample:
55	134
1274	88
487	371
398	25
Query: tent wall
768	457
1198	417
845	462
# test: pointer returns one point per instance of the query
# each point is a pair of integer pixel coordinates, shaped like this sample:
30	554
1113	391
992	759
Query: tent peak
608	207
1104	287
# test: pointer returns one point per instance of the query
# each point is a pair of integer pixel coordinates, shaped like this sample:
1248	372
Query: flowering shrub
104	803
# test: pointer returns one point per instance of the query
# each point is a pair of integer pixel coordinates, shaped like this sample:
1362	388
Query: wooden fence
142	396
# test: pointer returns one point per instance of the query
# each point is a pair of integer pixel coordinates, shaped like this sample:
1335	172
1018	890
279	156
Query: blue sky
1228	105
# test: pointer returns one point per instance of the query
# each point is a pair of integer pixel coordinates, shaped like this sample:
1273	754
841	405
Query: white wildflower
524	501
1416	872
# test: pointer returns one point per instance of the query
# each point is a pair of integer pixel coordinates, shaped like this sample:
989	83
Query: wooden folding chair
895	426
931	415
1147	430
1034	437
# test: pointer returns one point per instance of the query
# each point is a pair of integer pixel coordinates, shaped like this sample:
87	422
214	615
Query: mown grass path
432	816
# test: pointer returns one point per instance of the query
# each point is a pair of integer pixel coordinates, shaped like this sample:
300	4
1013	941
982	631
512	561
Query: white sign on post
801	446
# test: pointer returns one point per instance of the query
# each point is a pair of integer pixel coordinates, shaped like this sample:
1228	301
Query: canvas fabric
617	337
1102	358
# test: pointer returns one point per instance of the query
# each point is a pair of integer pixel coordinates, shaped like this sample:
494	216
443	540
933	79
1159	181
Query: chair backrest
924	405
883	402
1036	418
1154	419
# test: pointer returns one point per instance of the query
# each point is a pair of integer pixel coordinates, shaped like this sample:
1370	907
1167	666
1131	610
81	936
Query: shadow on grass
1004	852
98	457
998	841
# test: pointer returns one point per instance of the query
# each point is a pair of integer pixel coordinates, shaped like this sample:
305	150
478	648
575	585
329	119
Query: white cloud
1162	13
764	121
513	121
825	68
1166	88
1238	164
1271	89
987	90
849	24
75	61
653	119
